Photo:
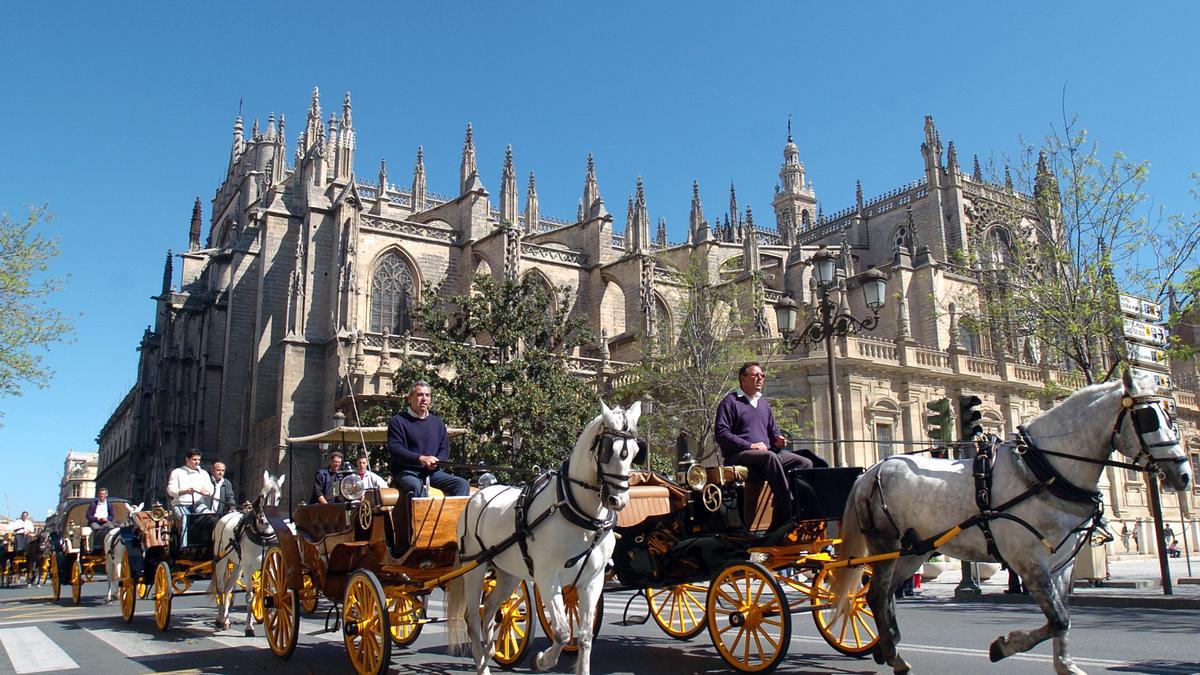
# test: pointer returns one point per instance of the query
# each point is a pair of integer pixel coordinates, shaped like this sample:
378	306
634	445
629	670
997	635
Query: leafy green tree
687	381
499	367
30	324
1050	276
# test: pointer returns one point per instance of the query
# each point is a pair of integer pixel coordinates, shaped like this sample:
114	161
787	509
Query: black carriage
700	552
164	554
77	549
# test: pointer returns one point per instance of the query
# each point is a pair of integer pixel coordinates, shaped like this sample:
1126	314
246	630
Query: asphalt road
39	635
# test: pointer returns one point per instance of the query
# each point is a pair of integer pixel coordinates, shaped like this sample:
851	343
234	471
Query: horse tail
456	615
846	580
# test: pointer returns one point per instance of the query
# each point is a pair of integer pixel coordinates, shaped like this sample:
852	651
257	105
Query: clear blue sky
118	115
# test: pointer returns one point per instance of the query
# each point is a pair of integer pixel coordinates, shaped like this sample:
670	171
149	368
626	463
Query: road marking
232	641
30	651
133	643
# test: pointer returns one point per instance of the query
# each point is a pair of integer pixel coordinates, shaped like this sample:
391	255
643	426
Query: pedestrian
1168	534
1137	544
325	481
418	443
1125	535
746	433
223	498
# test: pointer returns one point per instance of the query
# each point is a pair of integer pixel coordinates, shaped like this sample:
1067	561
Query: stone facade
79	477
299	293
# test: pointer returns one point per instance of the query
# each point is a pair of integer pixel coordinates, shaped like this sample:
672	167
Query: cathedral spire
168	273
637	231
346	120
858	198
733	207
951	158
383	179
194	229
313	129
660	237
254	129
532	214
468	173
976	172
791	174
271	130
235	151
508	190
697	227
344	160
932	147
591	190
419	193
750	259
1007	178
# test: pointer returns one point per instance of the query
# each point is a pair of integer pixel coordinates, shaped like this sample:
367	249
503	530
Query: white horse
1051	474
571	515
240	539
114	553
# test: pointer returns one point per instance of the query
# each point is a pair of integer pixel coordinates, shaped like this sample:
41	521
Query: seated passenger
190	488
369	478
418	443
325	480
746	433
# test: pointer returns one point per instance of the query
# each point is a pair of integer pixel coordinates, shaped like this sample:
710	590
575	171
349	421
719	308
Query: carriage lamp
696	477
351	488
833	319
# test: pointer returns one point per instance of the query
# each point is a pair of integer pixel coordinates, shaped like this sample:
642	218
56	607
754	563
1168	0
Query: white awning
357	435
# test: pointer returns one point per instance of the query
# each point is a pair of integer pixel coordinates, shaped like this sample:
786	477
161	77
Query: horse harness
566	503
1046	479
245	527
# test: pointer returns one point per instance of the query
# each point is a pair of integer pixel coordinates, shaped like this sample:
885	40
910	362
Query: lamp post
833	320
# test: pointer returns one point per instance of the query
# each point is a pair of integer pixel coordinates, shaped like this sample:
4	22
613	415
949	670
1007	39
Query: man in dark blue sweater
418	443
746	433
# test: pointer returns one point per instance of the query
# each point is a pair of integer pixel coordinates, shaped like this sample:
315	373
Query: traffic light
940	421
968	417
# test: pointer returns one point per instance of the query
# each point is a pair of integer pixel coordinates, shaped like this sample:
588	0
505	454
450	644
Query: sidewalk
1133	582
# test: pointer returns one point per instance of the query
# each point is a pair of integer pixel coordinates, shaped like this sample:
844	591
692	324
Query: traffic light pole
969	429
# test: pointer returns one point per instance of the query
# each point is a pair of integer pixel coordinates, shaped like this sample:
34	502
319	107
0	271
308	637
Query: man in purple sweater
746	433
418	443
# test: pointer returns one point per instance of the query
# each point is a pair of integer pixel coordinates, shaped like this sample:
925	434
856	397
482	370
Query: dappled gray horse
1043	506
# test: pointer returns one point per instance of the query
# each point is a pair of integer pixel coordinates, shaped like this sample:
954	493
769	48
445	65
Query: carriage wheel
89	571
405	617
678	610
162	596
256	603
126	589
853	634
55	580
571	603
308	596
515	624
748	617
365	624
281	612
76	581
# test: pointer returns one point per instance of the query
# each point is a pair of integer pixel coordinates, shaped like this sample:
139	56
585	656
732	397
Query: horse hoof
249	632
995	652
877	654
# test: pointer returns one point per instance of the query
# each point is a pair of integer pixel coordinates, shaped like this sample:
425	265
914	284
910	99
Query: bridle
603	449
1146	413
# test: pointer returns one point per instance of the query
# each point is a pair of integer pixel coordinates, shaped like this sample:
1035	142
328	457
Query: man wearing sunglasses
746	433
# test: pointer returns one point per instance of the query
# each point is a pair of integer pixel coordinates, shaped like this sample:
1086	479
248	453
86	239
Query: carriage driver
22	529
418	442
99	515
746	432
190	486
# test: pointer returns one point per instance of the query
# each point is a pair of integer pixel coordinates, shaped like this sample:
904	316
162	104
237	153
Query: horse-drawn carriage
162	554
78	549
700	553
377	556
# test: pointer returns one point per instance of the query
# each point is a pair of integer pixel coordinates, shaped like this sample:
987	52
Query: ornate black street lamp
833	320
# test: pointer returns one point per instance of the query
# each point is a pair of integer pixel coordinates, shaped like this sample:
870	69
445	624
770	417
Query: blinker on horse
1043	507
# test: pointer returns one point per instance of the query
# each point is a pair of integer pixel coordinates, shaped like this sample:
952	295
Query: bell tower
795	200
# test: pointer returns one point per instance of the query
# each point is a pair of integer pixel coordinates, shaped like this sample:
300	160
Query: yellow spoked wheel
162	596
515	624
126	588
365	624
280	605
853	634
678	610
405	616
308	596
571	603
55	579
76	581
748	618
256	598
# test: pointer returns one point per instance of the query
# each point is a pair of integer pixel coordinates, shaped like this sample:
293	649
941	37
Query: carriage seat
650	495
315	522
387	497
727	473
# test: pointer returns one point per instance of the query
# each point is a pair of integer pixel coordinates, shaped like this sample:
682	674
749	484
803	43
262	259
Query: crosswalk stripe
133	643
30	651
234	641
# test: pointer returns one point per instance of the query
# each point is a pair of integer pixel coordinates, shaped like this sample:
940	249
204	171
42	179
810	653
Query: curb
1095	600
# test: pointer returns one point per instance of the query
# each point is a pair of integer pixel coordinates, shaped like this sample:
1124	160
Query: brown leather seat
644	501
727	473
388	496
318	521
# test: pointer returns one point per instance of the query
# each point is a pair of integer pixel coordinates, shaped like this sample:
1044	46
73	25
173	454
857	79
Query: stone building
298	293
79	477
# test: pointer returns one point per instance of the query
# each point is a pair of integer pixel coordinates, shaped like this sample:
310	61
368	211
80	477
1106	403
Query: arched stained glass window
391	296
